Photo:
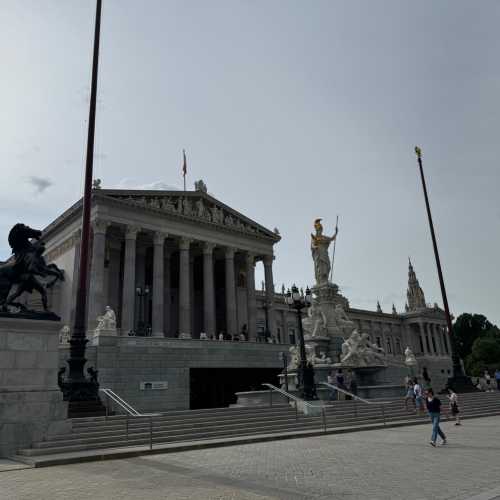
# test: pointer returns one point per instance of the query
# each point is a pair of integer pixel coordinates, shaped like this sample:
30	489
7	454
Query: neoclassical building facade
169	263
181	263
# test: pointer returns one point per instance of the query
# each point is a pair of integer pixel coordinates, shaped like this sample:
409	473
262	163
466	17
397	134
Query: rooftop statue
25	271
319	250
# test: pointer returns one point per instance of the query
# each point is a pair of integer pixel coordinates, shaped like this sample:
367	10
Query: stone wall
126	362
31	404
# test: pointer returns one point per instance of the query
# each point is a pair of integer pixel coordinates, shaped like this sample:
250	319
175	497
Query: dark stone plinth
30	314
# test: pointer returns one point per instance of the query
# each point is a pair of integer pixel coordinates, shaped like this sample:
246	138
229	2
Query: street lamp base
83	399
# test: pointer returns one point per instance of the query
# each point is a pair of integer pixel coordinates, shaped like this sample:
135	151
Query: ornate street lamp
299	301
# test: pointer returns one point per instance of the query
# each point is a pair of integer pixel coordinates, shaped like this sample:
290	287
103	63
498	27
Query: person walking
410	395
487	378
453	397
419	398
497	378
434	408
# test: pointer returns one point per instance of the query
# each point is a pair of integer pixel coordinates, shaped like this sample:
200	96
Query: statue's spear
334	245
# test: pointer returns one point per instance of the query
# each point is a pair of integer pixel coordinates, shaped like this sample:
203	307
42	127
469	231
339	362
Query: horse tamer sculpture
25	271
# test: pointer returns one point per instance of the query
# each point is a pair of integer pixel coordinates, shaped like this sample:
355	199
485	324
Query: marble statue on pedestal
106	324
410	359
319	251
64	335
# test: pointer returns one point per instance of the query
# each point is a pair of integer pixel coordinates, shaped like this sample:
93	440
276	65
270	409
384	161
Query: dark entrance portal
216	387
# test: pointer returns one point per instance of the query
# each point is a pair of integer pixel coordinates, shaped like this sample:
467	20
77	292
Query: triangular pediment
198	206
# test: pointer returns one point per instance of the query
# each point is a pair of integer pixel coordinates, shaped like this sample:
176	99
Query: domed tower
414	294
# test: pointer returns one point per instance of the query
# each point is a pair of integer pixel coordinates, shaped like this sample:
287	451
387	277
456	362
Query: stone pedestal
31	403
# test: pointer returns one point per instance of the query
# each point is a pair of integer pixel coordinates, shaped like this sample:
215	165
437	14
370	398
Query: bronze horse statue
21	272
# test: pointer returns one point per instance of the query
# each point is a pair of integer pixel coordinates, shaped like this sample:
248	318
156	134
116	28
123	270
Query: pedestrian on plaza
487	378
426	378
497	378
453	397
434	408
410	395
419	397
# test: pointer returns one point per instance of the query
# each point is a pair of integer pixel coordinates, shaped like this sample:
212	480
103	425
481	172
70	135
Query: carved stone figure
200	208
294	358
169	205
229	221
106	322
319	251
319	323
322	359
410	359
64	335
22	272
186	206
200	186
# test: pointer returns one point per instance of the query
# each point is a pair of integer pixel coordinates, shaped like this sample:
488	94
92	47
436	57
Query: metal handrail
296	400
357	398
129	409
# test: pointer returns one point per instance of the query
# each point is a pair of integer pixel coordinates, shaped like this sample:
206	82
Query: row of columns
433	339
160	283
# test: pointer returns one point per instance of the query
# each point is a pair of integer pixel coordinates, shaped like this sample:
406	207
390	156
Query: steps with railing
280	420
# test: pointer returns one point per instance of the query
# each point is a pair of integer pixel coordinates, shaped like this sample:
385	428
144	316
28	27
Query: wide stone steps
98	433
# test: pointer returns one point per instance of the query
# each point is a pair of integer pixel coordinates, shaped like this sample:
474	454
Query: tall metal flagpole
459	381
77	388
334	246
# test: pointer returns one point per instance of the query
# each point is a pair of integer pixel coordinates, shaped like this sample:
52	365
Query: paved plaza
383	464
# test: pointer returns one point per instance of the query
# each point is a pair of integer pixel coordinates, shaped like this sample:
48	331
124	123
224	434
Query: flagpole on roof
184	167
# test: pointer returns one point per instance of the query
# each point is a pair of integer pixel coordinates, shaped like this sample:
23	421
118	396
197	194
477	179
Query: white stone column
268	276
167	295
96	285
158	284
128	292
251	302
208	289
184	285
231	318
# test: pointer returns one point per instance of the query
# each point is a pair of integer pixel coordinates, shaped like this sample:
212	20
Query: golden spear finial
418	152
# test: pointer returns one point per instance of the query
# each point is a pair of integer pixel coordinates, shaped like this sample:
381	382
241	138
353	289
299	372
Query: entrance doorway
216	387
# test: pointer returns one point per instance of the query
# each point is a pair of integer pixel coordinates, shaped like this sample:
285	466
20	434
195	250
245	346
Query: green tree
467	329
485	353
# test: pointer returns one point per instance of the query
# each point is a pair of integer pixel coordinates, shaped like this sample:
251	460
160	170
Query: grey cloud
40	183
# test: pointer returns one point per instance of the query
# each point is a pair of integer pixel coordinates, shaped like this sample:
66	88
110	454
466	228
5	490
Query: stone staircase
93	438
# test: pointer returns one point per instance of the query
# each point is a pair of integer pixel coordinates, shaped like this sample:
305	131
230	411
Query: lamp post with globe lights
299	301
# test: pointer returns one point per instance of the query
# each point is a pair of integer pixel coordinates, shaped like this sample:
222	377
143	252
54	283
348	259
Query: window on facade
421	344
278	334
389	346
291	334
379	341
398	346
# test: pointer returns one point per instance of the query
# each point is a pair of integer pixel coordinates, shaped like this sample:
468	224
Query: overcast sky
289	110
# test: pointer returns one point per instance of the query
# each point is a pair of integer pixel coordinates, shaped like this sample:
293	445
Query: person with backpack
419	397
434	408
